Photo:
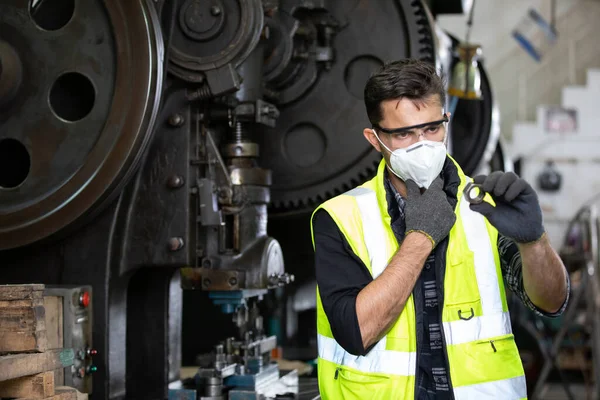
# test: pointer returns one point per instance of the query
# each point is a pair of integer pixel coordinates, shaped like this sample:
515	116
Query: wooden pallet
22	319
27	366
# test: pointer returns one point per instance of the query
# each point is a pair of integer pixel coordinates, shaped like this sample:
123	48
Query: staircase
520	83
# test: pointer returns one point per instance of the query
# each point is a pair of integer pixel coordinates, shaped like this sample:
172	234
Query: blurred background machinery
146	146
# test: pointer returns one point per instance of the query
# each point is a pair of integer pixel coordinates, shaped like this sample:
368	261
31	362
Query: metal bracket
225	189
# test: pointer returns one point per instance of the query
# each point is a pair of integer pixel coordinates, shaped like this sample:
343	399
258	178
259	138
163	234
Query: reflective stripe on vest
494	321
379	360
513	388
374	231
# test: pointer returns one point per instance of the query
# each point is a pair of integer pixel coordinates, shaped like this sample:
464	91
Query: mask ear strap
384	146
389	151
445	140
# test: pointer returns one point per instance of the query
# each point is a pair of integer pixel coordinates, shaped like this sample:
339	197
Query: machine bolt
215	11
206	282
175	181
176	120
233	281
175	243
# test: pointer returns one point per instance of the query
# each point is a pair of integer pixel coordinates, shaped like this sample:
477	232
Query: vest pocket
491	359
359	385
497	344
460	281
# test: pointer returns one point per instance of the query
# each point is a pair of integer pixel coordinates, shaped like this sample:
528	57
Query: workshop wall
520	84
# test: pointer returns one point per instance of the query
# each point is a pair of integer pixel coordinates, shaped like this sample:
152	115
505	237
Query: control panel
69	322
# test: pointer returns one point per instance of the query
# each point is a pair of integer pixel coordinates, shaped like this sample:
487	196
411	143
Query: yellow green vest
484	360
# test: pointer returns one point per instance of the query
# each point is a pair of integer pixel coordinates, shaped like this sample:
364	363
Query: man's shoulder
343	199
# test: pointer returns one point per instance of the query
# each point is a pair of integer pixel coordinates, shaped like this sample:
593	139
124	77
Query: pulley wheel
84	81
209	34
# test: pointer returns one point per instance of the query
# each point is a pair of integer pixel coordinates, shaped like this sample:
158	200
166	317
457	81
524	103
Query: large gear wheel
85	80
317	149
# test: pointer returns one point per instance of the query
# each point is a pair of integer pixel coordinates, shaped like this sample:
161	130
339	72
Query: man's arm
380	303
544	275
341	275
512	271
361	310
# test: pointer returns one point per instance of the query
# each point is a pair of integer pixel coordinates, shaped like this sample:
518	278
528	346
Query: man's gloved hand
428	213
517	213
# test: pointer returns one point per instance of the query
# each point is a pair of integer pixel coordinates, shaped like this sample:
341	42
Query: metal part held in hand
469	191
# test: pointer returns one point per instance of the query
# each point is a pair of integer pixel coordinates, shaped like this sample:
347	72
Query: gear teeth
421	37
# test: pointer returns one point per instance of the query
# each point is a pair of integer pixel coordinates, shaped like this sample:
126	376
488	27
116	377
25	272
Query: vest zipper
493	347
337	372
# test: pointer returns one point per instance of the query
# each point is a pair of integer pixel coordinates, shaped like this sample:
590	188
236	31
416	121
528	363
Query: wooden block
82	396
54	330
21	303
18	365
61	393
22	318
59	377
23	341
22	329
32	387
54	321
21	292
78	395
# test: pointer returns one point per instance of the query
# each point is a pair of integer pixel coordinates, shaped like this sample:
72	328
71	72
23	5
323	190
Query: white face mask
421	162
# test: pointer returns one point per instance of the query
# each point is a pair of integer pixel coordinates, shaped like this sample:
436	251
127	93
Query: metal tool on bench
239	368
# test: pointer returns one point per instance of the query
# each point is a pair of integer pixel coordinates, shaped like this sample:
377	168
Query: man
411	301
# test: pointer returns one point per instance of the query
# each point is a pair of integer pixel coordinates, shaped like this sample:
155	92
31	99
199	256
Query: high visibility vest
484	361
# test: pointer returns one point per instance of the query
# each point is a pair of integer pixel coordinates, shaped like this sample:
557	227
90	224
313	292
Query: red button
84	299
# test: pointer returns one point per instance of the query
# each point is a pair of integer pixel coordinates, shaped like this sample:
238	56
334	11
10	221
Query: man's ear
371	138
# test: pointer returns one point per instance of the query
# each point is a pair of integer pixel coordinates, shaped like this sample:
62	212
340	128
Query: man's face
405	113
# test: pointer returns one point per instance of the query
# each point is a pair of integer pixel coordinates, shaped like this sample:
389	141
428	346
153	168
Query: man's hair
408	78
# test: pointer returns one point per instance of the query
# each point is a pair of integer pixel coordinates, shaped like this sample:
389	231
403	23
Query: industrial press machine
150	148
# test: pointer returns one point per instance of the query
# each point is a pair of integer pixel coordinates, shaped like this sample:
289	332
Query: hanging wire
553	14
470	22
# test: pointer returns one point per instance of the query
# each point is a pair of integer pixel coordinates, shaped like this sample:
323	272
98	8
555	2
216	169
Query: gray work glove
517	213
429	212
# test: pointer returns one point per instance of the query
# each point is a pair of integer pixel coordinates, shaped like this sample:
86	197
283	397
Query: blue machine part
230	300
270	388
265	375
183	394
